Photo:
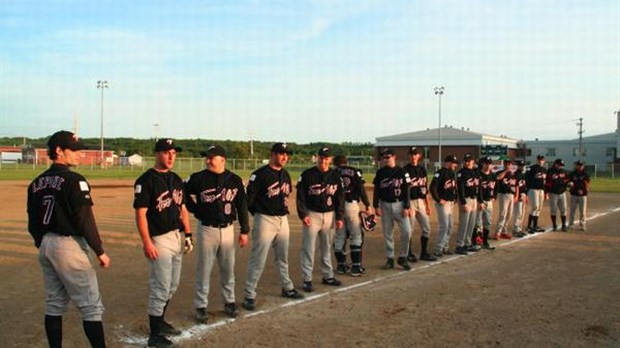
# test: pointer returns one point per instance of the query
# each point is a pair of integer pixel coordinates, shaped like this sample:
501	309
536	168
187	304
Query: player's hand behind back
104	260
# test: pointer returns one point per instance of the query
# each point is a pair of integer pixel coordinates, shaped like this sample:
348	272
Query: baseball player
163	223
62	224
519	204
579	183
486	197
392	204
444	192
535	181
268	200
216	197
320	206
468	185
354	193
555	187
507	194
419	204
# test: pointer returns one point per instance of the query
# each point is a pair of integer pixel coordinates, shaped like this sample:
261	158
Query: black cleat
231	310
389	263
487	246
168	329
332	281
411	258
402	262
462	250
342	268
428	257
249	304
294	294
438	254
201	315
473	248
308	287
159	341
356	271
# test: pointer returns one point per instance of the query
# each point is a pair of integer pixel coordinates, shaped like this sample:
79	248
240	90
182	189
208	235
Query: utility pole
580	124
439	92
102	84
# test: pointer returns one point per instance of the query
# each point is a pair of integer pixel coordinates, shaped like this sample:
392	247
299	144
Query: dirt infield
555	289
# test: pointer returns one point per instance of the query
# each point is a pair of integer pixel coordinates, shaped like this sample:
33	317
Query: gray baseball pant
506	201
215	243
517	213
418	213
536	198
484	216
322	228
580	202
467	220
268	232
353	224
390	213
557	201
444	217
68	275
165	271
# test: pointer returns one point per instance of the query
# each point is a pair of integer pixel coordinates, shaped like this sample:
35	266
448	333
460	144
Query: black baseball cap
325	152
579	163
468	157
340	160
387	152
507	160
539	157
559	162
451	158
519	163
213	150
66	140
413	151
166	144
281	148
486	160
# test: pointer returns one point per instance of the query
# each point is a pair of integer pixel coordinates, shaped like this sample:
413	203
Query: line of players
328	204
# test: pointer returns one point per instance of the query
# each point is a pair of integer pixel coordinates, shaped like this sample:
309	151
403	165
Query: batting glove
188	246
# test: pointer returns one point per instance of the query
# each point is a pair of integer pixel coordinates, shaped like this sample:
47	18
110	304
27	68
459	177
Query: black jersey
443	185
419	181
353	184
268	191
507	183
581	182
468	184
521	182
219	199
556	180
161	193
535	177
320	192
488	183
59	202
391	185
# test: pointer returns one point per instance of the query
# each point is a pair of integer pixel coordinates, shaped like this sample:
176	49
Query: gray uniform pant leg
506	201
578	202
165	271
352	223
213	243
557	202
466	222
322	228
268	232
444	216
536	198
390	213
517	214
487	215
68	275
418	213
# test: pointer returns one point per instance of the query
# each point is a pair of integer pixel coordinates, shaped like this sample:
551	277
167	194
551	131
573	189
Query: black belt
352	200
217	225
392	201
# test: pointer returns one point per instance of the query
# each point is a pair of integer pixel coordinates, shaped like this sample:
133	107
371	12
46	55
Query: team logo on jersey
253	177
138	189
84	186
276	189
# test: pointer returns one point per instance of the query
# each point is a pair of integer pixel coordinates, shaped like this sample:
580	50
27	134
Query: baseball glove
369	221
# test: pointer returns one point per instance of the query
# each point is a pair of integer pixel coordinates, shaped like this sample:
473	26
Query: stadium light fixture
102	84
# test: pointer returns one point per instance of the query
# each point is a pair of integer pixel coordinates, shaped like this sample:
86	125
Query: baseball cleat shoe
249	304
505	236
428	257
564	228
473	248
201	315
389	263
342	268
438	254
538	229
462	250
356	271
402	262
531	230
487	246
294	294
159	341
167	329
231	310
518	234
447	251
332	281
411	258
308	287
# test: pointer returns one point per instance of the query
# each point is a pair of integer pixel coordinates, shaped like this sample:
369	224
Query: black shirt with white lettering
556	180
508	182
419	181
161	193
320	192
443	185
468	184
535	177
521	182
353	184
488	183
268	191
59	201
581	182
219	199
391	185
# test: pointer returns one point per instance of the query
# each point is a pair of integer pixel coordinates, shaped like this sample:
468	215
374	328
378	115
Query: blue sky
304	71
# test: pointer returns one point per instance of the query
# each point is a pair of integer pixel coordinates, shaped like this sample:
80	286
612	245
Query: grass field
599	184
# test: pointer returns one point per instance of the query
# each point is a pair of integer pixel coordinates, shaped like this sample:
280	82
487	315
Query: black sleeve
363	194
85	222
302	210
252	192
241	204
339	198
460	186
433	188
190	202
405	190
37	236
142	193
375	191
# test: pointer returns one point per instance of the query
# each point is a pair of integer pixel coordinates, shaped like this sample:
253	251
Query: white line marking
199	330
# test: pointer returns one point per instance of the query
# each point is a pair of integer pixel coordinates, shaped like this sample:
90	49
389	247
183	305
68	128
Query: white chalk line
199	330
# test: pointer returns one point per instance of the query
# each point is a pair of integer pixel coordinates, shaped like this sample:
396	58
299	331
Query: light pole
439	93
102	84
